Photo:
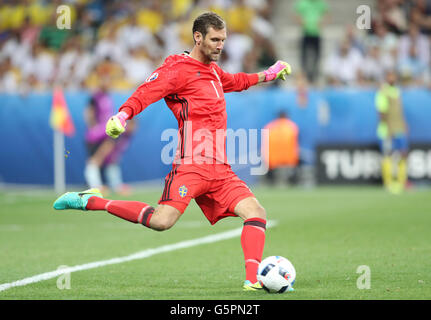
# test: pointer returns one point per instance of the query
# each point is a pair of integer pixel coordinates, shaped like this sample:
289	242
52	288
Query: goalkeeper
193	87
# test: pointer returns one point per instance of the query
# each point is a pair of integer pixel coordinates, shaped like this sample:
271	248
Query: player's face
391	77
212	45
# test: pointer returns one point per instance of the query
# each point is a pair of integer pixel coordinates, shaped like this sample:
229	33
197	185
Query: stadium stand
129	39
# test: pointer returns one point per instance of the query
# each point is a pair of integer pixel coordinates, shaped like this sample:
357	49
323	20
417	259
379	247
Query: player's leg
386	149
161	218
402	170
175	199
252	236
231	197
164	217
401	145
98	153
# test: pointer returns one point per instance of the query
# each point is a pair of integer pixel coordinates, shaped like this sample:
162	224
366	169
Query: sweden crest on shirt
183	191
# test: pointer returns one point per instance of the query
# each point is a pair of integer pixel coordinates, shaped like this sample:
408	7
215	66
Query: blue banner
330	116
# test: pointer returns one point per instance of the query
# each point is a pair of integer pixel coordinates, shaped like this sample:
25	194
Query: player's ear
197	36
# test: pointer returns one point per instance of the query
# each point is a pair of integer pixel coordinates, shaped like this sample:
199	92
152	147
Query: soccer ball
276	274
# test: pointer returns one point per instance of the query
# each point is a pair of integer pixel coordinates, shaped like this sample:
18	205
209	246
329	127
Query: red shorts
215	188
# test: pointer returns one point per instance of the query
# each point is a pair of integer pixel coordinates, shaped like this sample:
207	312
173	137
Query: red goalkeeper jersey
194	92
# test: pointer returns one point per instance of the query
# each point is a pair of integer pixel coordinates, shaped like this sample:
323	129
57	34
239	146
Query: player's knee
261	212
250	208
257	212
164	218
161	225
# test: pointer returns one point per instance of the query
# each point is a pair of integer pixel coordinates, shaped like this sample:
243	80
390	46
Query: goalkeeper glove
116	124
279	70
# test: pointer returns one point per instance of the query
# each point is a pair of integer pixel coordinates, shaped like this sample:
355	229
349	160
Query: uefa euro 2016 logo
183	191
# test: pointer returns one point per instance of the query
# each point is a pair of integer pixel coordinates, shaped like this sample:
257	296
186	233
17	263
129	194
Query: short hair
283	114
206	20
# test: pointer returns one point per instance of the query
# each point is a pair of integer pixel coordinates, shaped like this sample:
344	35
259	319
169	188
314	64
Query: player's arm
242	81
279	70
160	84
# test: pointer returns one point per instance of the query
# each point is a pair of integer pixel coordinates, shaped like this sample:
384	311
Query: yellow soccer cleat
249	286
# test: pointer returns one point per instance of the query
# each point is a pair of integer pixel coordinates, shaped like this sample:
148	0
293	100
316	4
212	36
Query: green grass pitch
327	233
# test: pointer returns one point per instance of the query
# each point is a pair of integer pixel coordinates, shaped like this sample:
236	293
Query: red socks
252	242
133	211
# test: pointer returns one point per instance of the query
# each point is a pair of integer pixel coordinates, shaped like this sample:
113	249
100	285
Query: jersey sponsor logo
152	77
183	191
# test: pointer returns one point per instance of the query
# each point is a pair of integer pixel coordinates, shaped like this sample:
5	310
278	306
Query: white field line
135	256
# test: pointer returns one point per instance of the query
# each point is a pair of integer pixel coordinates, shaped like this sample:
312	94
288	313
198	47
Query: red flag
60	117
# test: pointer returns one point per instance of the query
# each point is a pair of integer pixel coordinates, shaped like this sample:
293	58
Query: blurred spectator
51	36
10	77
111	170
282	152
236	49
372	69
108	45
310	15
16	49
264	54
96	12
74	64
413	54
150	15
392	133
103	152
16	14
131	35
239	17
108	69
387	43
302	87
99	145
40	12
261	57
392	15
421	15
81	70
29	32
411	68
130	38
123	39
343	65
137	66
66	60
175	35
356	41
86	27
39	68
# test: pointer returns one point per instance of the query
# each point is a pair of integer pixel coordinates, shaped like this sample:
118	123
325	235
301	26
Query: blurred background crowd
124	41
